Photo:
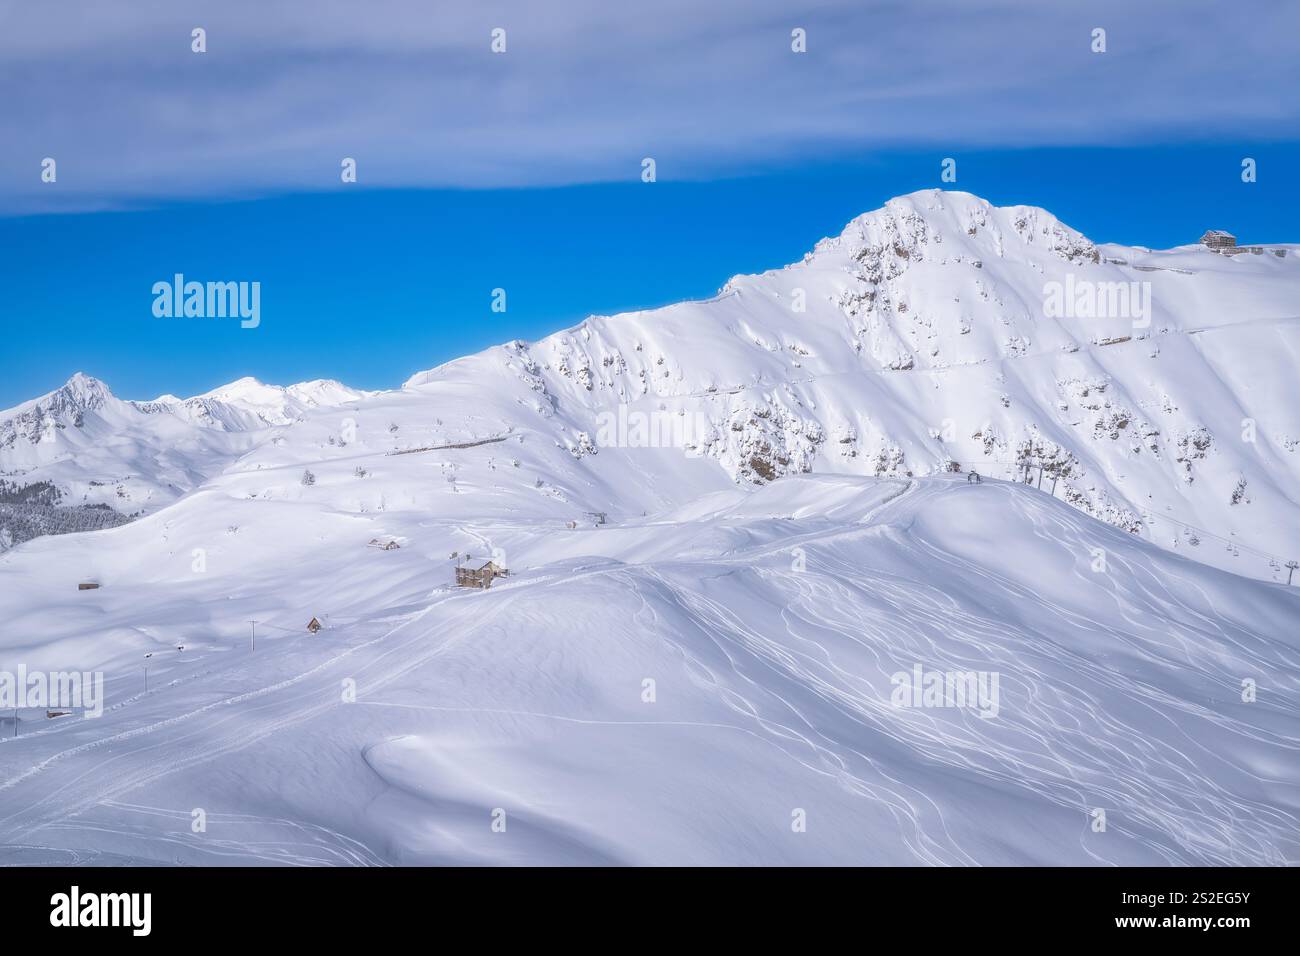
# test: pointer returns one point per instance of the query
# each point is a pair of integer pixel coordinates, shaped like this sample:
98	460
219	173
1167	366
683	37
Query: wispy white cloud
588	87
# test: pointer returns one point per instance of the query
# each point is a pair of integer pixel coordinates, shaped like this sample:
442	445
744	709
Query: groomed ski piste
734	667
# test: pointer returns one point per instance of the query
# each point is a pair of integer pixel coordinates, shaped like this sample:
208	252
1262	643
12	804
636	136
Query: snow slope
771	623
796	542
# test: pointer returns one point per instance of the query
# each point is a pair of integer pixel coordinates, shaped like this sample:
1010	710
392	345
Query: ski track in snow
1230	831
827	720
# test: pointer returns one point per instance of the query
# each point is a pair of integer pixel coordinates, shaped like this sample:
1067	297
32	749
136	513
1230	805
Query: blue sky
521	170
371	286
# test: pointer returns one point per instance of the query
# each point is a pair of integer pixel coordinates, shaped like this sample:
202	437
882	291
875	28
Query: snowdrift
713	684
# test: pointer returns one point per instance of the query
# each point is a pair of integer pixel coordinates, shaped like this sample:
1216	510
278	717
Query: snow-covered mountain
734	535
248	404
929	335
1154	388
140	456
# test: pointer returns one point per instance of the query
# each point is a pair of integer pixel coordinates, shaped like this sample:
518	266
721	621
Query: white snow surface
770	580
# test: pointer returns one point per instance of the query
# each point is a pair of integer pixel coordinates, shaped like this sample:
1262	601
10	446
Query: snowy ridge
918	340
136	455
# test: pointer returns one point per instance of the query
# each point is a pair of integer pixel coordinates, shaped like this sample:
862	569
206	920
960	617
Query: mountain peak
941	224
66	405
83	384
81	392
239	387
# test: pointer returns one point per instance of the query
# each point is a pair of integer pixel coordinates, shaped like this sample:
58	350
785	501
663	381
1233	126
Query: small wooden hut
314	625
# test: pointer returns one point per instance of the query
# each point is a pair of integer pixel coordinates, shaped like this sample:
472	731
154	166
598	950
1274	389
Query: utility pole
252	636
1290	570
146	672
1040	476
